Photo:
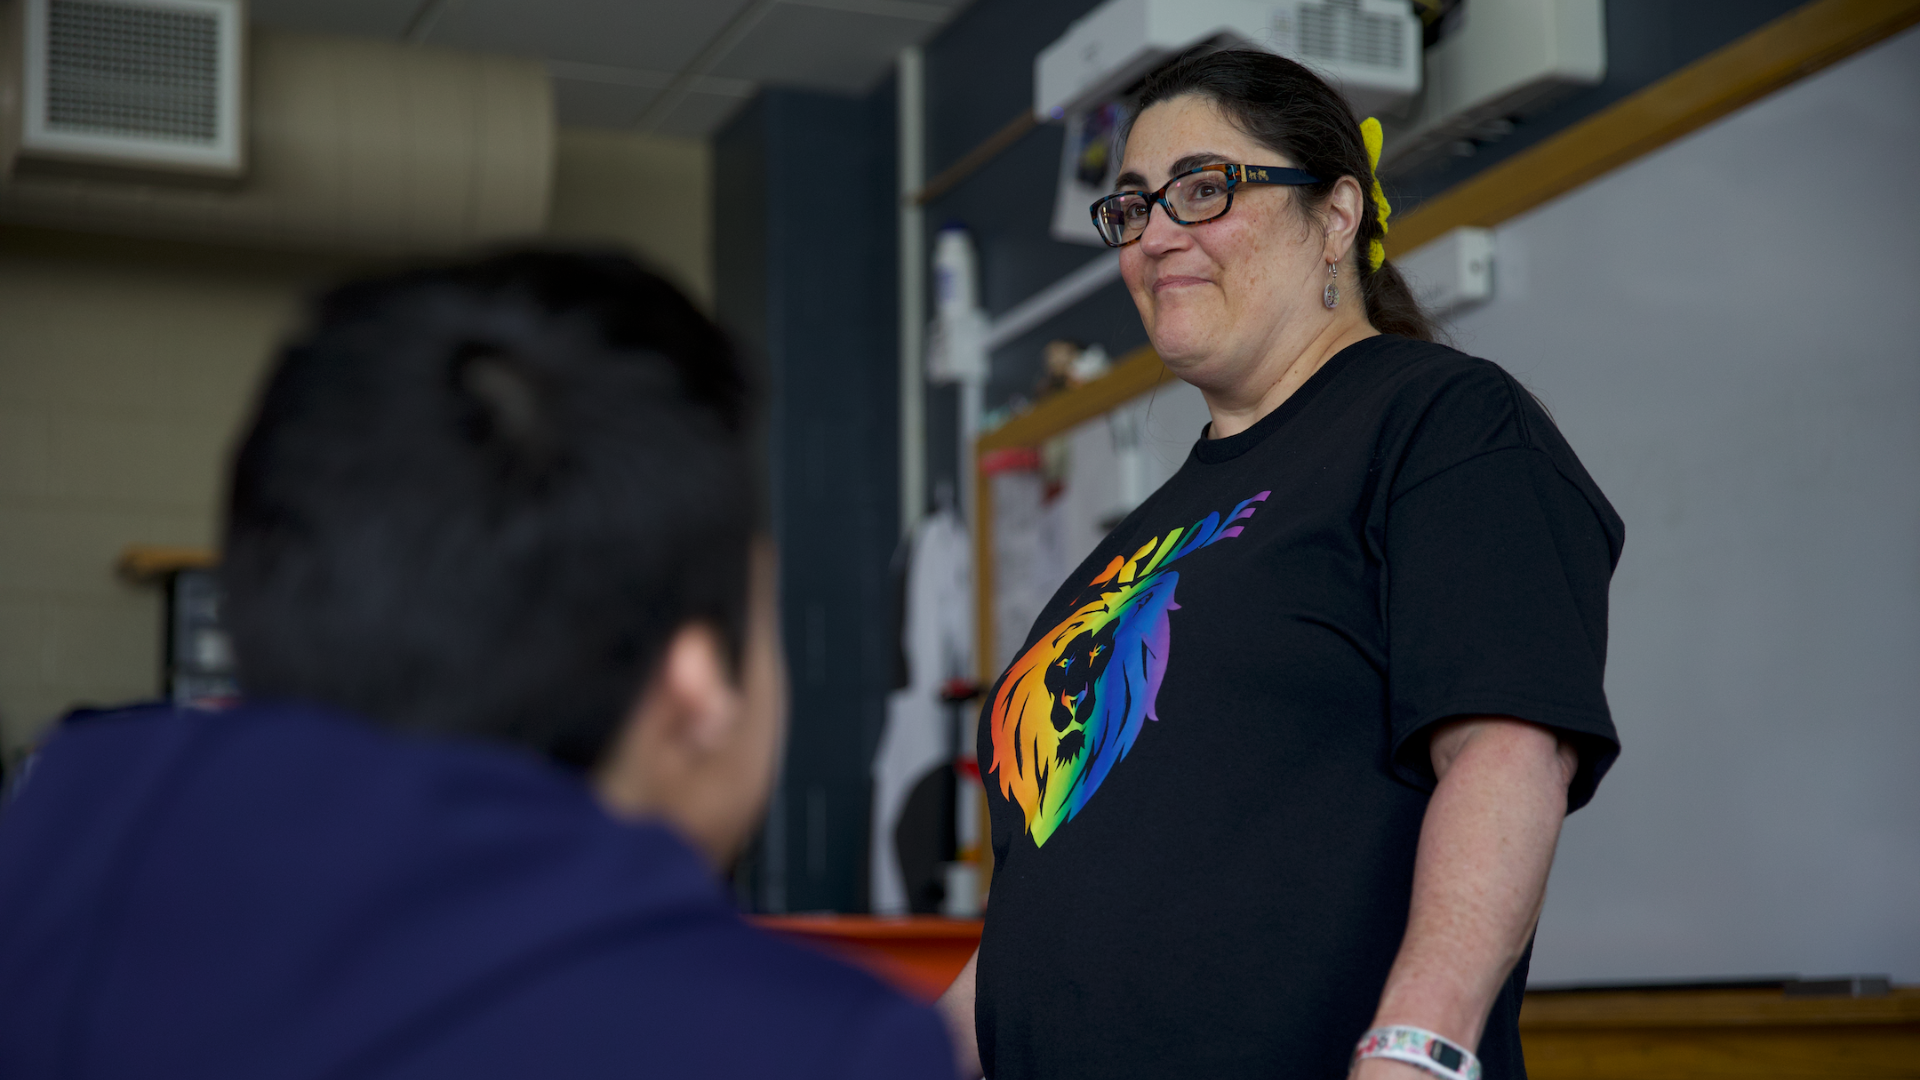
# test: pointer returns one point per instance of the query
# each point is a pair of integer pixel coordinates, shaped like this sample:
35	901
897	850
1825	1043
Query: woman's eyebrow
1131	180
1194	161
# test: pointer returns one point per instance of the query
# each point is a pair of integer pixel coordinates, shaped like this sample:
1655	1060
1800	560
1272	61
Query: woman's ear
1341	215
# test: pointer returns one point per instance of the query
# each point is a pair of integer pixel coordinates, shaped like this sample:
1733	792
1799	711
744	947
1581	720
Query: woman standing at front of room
1277	776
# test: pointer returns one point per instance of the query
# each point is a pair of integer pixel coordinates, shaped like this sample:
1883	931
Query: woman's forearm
1486	845
956	1008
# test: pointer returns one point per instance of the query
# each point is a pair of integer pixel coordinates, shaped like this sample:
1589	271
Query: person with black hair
1276	778
503	603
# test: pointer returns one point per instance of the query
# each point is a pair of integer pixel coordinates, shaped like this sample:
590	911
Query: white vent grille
1342	32
121	70
153	83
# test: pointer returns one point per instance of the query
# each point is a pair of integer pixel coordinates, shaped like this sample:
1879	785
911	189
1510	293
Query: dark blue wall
805	271
979	77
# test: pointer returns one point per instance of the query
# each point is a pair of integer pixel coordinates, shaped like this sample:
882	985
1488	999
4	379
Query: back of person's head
1294	112
482	499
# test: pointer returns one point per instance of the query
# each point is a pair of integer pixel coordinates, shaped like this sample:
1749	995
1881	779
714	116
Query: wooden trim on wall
992	147
983	576
151	562
1714	1034
1568	1010
1777	55
1132	375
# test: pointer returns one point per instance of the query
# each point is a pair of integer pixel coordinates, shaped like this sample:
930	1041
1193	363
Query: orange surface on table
919	954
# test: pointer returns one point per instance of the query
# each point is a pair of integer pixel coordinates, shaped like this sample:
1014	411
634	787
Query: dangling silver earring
1332	296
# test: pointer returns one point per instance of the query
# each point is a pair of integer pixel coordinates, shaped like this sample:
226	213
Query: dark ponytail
1293	111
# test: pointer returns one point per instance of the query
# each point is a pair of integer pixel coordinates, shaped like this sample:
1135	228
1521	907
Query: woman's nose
1161	234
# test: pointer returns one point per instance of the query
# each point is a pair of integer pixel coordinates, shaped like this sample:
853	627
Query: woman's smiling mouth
1177	281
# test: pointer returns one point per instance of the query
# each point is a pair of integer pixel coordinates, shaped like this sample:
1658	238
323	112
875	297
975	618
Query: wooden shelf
1711	1034
1132	375
1564	1011
152	562
975	159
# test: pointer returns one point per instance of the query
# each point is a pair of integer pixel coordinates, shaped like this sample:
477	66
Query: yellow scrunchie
1370	134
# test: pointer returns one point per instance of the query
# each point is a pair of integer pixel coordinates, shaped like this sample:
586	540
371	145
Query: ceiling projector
1369	49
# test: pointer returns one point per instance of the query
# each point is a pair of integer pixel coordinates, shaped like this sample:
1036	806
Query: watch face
1448	1057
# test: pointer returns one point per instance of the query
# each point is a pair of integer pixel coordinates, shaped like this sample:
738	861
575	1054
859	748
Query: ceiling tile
609	58
598	105
700	115
911	10
641	77
660	35
360	18
822	48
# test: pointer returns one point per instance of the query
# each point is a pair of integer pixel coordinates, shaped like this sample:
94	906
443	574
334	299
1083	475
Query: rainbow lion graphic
1072	705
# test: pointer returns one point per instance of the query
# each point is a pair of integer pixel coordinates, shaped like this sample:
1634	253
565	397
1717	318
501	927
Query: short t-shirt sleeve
1497	575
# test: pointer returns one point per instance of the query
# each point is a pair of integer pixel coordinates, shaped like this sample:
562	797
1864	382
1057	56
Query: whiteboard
1726	331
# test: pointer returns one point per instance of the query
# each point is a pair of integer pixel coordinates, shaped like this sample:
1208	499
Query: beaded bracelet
1420	1048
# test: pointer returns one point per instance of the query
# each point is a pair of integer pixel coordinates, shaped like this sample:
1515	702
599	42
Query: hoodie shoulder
71	821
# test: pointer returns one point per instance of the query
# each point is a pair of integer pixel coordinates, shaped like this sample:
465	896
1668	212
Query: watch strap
1435	1054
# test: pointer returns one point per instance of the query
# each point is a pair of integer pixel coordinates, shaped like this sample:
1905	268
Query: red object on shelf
1010	459
918	954
959	691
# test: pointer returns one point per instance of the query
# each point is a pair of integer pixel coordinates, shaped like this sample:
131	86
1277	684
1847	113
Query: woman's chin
1182	343
1204	362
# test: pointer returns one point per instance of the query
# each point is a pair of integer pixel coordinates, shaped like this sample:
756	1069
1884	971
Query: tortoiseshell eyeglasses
1194	196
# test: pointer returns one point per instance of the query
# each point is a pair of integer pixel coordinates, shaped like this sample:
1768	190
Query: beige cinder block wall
649	193
126	368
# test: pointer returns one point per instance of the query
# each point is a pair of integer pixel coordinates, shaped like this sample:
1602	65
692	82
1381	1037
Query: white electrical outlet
1451	272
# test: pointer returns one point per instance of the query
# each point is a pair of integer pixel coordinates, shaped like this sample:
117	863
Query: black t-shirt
1208	766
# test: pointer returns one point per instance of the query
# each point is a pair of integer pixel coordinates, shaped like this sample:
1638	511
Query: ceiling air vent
1343	32
1369	49
153	84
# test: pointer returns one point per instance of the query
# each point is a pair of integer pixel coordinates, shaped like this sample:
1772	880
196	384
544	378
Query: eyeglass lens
1194	198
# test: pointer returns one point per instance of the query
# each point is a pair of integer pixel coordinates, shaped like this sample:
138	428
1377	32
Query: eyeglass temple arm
1260	174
